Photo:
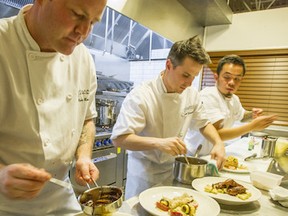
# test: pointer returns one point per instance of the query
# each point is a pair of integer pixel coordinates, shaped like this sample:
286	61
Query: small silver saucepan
103	200
185	173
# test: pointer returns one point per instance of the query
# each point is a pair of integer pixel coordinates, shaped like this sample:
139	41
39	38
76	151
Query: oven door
106	162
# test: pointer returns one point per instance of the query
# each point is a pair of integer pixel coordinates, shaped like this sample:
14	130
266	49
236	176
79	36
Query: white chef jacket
148	110
217	108
45	99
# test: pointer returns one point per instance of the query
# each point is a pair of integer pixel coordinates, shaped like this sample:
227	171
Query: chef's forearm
85	145
136	143
231	133
211	134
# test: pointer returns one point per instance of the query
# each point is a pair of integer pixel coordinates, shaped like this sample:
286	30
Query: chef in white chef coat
47	93
152	116
223	107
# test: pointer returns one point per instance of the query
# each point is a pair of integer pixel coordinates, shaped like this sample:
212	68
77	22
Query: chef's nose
84	28
190	80
231	82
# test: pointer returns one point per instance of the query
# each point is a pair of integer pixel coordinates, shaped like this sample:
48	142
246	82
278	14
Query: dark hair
231	59
188	48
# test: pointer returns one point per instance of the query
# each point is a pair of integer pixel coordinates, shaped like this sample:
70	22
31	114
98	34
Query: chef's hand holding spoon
173	146
22	181
86	171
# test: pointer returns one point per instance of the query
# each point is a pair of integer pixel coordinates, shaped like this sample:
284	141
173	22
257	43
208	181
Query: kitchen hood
209	12
175	19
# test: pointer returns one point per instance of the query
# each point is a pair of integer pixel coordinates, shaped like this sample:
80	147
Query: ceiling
241	6
115	33
126	38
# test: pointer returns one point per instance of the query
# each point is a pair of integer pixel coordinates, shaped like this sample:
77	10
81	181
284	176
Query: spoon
198	150
181	135
95	183
60	183
186	159
254	157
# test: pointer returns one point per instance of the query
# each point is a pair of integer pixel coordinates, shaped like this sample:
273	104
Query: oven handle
104	158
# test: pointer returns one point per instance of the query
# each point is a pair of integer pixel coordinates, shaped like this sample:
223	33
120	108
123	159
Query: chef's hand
218	154
85	171
22	181
262	122
173	146
256	112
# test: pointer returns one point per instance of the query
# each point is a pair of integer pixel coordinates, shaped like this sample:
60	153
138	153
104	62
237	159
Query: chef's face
62	24
177	79
229	79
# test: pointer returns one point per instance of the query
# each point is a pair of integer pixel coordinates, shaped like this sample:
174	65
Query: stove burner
102	138
103	129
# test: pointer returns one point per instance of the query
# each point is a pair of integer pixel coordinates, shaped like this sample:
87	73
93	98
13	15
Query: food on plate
183	205
232	162
230	187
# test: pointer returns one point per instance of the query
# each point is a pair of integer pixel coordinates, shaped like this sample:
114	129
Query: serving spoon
60	183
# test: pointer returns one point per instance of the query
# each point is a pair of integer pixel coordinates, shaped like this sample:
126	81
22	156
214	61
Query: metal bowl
185	173
101	200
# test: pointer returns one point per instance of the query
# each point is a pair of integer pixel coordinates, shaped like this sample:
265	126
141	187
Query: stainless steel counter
265	206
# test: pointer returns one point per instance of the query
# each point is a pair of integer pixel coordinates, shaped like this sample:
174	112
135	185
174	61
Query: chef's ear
169	64
216	76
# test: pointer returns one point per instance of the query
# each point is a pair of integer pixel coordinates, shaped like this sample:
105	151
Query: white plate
239	170
200	184
113	214
120	214
149	197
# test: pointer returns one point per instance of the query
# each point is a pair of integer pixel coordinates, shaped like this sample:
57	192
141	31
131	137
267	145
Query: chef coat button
73	131
32	56
46	142
62	57
69	97
68	162
40	101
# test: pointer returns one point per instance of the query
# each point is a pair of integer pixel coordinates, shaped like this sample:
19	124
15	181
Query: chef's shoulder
142	93
6	29
209	91
82	53
145	88
209	94
6	24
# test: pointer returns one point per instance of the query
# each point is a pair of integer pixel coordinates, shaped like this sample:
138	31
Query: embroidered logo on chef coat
187	111
83	95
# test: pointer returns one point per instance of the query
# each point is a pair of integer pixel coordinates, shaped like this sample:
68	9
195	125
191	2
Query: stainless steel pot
102	200
185	173
268	146
258	136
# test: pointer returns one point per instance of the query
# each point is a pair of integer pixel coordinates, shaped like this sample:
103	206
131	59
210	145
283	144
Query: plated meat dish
183	205
230	187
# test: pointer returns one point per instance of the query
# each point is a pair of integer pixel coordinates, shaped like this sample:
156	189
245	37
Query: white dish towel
280	194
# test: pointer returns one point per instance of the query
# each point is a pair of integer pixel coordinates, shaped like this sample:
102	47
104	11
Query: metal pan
185	173
103	200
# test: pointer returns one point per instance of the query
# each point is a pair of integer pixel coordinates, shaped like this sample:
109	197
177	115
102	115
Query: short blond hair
188	48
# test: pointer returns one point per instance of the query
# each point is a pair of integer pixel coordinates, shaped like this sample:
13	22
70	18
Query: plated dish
150	197
201	183
233	164
120	214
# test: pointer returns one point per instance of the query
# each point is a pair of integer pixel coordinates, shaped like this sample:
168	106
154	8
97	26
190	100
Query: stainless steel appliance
110	161
106	112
